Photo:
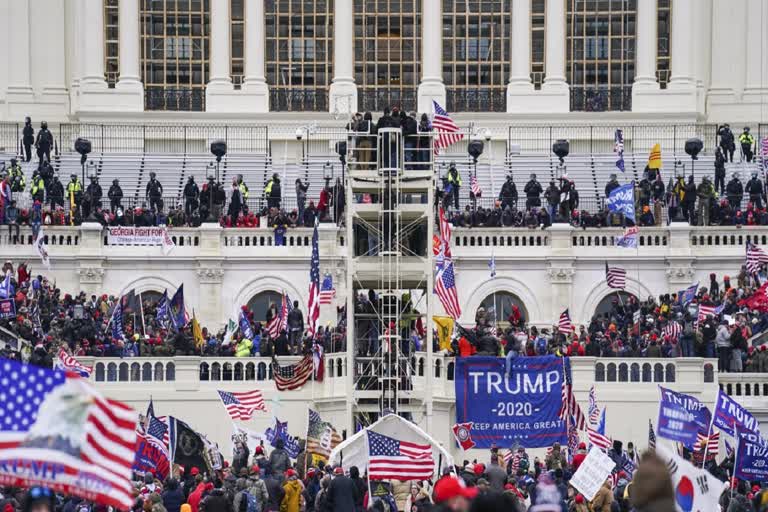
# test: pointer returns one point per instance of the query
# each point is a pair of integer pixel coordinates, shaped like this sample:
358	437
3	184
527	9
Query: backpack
249	503
541	346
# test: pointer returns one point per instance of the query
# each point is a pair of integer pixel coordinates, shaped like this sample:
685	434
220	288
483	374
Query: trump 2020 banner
521	408
751	457
730	415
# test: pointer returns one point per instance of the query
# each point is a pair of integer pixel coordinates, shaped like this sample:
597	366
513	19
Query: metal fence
601	99
161	98
476	100
159	138
379	99
298	100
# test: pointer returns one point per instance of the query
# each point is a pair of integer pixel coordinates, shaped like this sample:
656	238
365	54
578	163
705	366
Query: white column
129	88
220	45
756	75
431	86
255	83
520	50
555	88
19	53
92	63
702	22
682	45
343	91
646	45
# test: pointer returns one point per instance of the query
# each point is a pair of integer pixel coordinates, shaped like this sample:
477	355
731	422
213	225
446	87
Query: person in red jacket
465	348
579	456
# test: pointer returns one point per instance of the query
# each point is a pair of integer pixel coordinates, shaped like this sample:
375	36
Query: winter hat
548	496
652	486
579	499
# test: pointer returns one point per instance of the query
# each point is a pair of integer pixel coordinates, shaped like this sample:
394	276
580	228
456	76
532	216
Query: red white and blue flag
474	186
756	258
445	288
64	435
446	129
569	407
618	148
565	325
392	459
594	411
597	439
279	322
68	363
327	291
313	309
152	453
240	406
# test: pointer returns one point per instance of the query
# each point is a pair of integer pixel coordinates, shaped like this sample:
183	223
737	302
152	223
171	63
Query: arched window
611	372
261	371
205	372
215	371
170	372
111	372
669	373
605	306
122	374
499	306
658	373
146	372
623	372
709	373
634	372
238	371
100	372
599	372
250	371
135	372
646	372
450	370
259	304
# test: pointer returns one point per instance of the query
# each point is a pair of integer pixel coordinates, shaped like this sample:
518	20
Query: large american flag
711	443
651	436
156	431
446	129
392	459
292	376
569	406
756	257
279	322
445	288
474	186
565	325
68	363
442	249
58	421
594	411
598	439
705	310
616	277
313	310
240	406
672	330
327	291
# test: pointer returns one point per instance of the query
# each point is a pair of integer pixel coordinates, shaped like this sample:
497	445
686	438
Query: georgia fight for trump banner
729	414
681	417
751	457
521	409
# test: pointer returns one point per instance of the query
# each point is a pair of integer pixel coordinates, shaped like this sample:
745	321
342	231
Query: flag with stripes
446	130
565	325
474	186
327	291
442	244
279	322
65	425
322	438
569	406
618	148
705	310
672	330
756	258
711	443
616	277
151	453
292	376
764	152
280	431
651	436
240	406
69	363
392	459
573	439
597	439
313	309
445	288
593	410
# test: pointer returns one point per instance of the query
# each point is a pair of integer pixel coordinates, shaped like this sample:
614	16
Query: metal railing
161	98
601	99
298	100
477	100
379	99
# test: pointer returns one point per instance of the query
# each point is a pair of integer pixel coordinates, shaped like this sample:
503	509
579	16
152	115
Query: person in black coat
191	196
216	501
28	138
342	495
115	195
173	496
276	493
44	143
508	194
360	486
235	203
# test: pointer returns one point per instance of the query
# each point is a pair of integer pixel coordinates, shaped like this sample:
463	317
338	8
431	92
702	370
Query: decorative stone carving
561	274
91	275
209	275
681	274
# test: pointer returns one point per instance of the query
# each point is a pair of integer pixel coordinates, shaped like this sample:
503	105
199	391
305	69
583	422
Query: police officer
28	138
689	200
56	193
44	143
735	192
508	193
719	171
37	187
16	176
191	196
747	140
115	195
705	193
243	191
533	190
454	180
613	183
273	192
93	193
75	191
726	140
755	190
154	193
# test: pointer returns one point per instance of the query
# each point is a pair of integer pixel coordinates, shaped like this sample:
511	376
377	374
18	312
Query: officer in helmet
28	138
734	191
56	193
44	143
154	193
115	195
94	194
755	190
533	190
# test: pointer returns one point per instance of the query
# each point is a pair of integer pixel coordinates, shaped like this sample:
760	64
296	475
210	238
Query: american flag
474	186
313	311
616	277
573	439
240	406
598	439
672	330
57	421
705	310
154	435
446	129
712	444
443	250
292	376
764	151
594	411
445	288
68	363
565	325
651	436
569	408
279	322
756	257
322	438
327	291
618	148
392	459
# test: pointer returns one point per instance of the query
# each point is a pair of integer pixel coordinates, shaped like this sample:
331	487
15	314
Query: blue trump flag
117	322
245	325
622	200
751	457
522	409
280	432
687	295
178	313
729	414
681	417
162	309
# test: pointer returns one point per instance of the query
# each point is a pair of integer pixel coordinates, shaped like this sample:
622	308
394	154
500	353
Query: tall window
476	54
111	42
600	64
664	19
299	54
387	53
174	53
237	49
538	53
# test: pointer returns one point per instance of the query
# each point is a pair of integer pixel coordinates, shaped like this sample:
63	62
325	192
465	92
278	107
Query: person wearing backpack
252	494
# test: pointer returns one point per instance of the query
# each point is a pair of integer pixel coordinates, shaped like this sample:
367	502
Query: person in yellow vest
16	177
747	140
243	190
37	188
74	192
244	347
454	180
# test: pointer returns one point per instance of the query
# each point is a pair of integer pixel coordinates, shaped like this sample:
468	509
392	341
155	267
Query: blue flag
682	417
280	431
492	266
751	457
178	313
729	415
163	315
117	322
601	424
6	288
245	325
687	295
622	200
618	148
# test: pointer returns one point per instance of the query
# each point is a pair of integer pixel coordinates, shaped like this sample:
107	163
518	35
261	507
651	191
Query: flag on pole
280	431
573	439
492	266
618	148
279	322
245	325
229	332
327	291
178	311
163	314
445	288
117	322
687	295
597	439
197	333
474	186
695	489
711	443
705	310
564	324
69	363
651	436
6	287
654	159
616	277
756	258
600	428
593	410
313	309
764	152
240	406
322	438
446	129
292	376
672	330
42	248
392	459
569	405
628	240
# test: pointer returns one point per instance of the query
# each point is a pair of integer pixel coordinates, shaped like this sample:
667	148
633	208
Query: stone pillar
646	46
343	91
682	45
702	22
129	87
555	87
756	75
727	41
520	87
92	70
220	93
210	277
431	86
255	83
54	67
19	48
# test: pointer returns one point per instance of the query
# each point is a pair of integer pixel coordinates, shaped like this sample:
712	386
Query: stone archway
503	284
500	305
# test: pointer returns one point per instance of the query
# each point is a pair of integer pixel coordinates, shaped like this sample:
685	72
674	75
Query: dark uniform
154	193
533	192
93	195
735	192
115	195
191	196
28	138
755	190
56	193
508	194
726	141
44	143
719	171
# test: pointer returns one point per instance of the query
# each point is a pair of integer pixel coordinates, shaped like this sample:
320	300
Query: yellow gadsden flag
444	326
654	160
197	333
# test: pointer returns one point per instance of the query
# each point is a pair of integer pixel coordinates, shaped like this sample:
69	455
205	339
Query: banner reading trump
517	409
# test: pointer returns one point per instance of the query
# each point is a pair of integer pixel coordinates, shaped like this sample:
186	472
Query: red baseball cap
194	471
450	487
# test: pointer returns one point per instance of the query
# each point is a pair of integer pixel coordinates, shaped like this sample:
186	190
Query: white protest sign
592	473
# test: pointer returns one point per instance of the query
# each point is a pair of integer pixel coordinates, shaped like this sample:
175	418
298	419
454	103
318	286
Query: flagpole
706	447
141	309
735	455
368	468
306	444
